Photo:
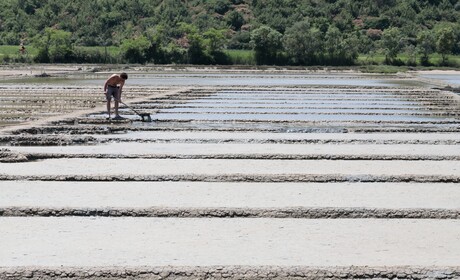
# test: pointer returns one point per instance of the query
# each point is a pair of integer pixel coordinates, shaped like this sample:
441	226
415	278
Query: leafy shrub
240	41
221	6
134	50
267	44
235	20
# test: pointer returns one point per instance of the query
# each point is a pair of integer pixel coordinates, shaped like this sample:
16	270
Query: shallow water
297	117
348	105
290	110
227	79
284	96
452	79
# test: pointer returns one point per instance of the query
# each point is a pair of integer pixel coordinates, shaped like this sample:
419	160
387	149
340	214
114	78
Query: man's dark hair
124	76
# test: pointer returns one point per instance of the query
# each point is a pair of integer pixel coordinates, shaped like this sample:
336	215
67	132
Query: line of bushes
303	44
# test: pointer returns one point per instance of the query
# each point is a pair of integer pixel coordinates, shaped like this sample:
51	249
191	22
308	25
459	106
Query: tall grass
241	57
96	55
434	60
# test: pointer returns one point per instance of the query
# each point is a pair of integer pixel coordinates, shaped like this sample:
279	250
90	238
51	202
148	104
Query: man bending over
112	88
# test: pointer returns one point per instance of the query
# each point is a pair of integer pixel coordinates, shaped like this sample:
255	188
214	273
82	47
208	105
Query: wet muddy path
313	155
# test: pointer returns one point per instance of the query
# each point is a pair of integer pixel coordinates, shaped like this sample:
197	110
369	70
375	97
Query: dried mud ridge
42	139
232	272
268	178
223	212
8	156
63	135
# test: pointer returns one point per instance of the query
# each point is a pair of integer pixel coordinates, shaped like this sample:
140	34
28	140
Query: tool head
145	117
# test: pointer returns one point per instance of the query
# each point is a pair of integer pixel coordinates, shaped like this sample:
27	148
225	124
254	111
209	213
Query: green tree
215	42
195	44
215	39
220	6
392	44
333	38
171	12
235	20
303	43
158	50
267	44
54	46
135	50
349	50
196	51
425	46
445	43
240	40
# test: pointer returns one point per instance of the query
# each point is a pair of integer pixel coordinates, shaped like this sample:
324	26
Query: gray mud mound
7	156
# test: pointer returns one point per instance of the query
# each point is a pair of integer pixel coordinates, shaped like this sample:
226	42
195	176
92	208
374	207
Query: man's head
124	76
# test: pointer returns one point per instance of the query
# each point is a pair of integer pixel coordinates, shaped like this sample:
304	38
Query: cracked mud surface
321	176
237	272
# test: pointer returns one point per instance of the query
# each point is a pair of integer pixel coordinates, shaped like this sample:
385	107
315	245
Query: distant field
380	58
13	51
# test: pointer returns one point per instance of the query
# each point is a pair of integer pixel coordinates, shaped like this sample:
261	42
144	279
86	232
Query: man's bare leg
117	103
116	108
108	108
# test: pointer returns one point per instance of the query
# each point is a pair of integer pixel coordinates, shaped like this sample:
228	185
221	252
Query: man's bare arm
122	83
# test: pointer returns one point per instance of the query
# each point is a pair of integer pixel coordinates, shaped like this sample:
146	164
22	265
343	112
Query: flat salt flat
75	241
132	242
229	148
218	195
107	167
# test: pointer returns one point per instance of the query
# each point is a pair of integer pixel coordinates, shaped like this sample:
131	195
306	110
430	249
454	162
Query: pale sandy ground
78	241
9	71
232	195
438	72
139	167
174	149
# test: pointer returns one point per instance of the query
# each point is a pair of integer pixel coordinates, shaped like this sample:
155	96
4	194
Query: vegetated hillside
174	23
101	22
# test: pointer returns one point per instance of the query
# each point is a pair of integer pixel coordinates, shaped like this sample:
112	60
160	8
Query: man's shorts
112	91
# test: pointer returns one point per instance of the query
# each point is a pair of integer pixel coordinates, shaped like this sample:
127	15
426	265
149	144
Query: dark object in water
43	75
144	116
449	88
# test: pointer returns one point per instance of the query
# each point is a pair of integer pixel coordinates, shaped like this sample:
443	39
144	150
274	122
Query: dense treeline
297	32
